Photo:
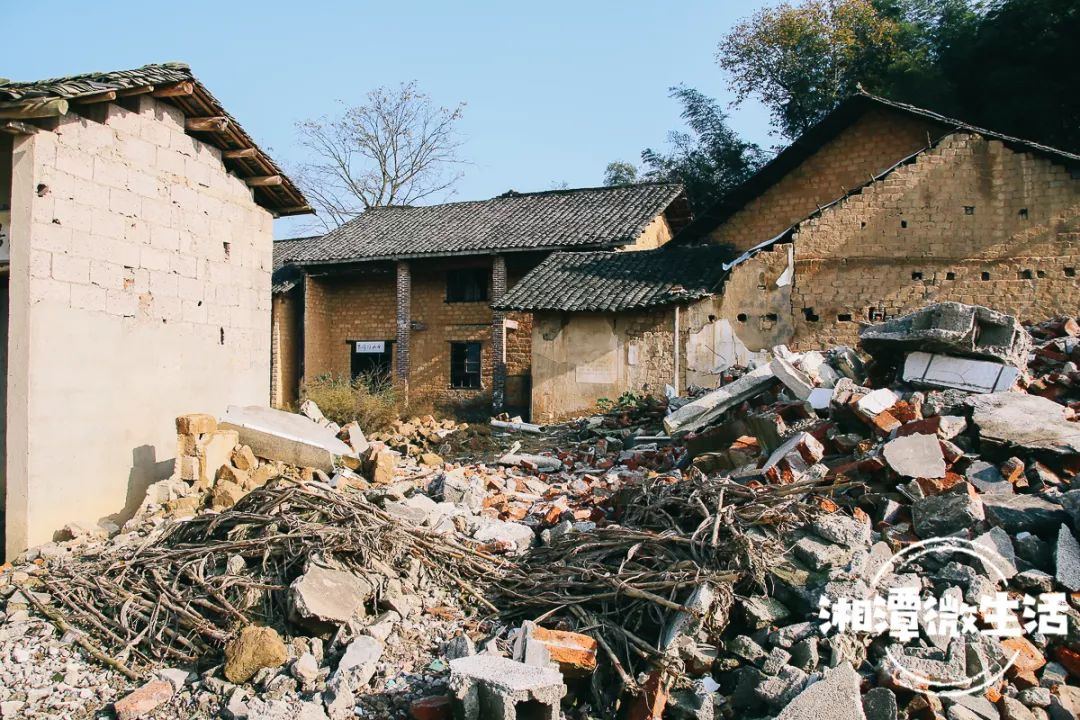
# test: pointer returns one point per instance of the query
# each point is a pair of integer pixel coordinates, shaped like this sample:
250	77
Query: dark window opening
370	360
809	314
969	209
1070	272
741	317
903	223
772	317
1026	275
468	285
950	276
862	224
465	365
986	276
1040	273
875	314
1023	213
95	112
844	317
227	247
917	275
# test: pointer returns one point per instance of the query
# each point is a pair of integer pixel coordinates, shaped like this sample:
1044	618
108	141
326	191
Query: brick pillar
498	335
404	319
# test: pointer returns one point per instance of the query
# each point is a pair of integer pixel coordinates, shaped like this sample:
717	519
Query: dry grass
372	402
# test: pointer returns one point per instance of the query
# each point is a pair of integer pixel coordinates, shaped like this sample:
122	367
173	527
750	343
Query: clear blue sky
554	90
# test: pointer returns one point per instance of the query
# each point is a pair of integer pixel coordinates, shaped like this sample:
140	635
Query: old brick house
407	291
878	210
138	286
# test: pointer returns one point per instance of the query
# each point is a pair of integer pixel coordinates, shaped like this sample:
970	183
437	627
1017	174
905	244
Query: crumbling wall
970	220
285	345
343	308
871	145
579	358
140	289
656	234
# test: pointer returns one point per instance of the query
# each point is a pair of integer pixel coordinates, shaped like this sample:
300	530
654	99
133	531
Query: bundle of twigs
184	594
623	583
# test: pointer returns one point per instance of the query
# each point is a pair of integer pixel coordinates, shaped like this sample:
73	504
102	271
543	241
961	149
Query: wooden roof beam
141	90
265	181
216	123
107	96
32	108
240	154
180	89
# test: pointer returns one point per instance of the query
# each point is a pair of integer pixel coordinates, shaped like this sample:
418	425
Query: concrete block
278	435
917	456
835	697
486	687
795	380
945	371
1027	421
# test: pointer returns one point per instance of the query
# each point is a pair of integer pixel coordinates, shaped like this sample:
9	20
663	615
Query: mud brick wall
970	220
871	145
285	348
363	306
140	290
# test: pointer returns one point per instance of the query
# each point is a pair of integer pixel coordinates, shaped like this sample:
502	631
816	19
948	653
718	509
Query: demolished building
138	284
407	292
878	210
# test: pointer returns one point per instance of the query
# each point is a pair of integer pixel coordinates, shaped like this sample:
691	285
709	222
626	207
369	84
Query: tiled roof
284	276
174	83
602	217
804	146
612	281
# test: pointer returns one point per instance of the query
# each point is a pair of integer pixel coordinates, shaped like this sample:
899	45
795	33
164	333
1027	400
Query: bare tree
397	148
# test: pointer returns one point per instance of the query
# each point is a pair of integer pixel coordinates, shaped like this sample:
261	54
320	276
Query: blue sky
554	90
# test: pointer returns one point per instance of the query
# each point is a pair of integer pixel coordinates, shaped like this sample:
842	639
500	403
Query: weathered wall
579	358
285	346
970	221
657	233
140	290
344	307
874	143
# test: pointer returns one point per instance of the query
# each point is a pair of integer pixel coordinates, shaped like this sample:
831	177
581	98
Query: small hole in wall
809	314
712	318
741	317
228	249
221	340
1026	275
844	317
1040	273
862	224
917	275
1023	213
1070	272
42	190
950	276
985	276
969	209
875	314
772	317
199	304
903	223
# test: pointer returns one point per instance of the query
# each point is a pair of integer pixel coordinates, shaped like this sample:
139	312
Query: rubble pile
872	533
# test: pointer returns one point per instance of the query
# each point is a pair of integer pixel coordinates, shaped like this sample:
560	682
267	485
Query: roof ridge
171	65
535	193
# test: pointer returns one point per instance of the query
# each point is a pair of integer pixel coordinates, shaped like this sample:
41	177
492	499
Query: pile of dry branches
184	594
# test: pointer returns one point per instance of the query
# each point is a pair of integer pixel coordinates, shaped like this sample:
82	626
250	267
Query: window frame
466	282
465	375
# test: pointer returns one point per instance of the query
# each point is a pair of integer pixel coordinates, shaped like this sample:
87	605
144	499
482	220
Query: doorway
371	360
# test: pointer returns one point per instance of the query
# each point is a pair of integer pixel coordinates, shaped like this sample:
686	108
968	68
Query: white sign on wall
371	346
5	236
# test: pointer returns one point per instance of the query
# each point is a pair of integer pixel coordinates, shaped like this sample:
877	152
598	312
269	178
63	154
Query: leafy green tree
709	158
620	172
800	60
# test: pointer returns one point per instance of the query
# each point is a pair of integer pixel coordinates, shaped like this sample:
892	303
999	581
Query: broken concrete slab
987	479
836	697
999	547
517	536
486	687
796	381
278	435
958	508
915	456
874	403
1026	421
792	459
843	529
880	704
1067	560
704	410
944	371
1023	513
358	664
323	596
954	329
